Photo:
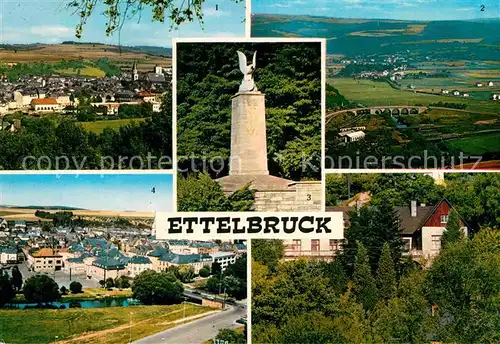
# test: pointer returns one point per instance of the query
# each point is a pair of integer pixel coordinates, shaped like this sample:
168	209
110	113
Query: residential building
147	97
138	264
324	249
352	135
423	226
108	267
163	258
44	260
8	255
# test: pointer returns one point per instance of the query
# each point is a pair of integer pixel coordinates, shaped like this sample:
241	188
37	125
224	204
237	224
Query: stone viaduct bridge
378	110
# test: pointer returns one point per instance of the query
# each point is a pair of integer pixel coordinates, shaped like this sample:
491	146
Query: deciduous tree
151	287
40	289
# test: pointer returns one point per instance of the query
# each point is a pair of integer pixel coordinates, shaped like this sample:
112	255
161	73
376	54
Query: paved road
197	331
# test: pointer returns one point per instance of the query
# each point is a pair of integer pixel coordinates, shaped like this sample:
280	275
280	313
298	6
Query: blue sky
51	22
121	192
386	9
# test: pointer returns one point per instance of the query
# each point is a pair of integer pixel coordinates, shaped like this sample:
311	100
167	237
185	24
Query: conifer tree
365	288
17	278
373	226
386	275
453	231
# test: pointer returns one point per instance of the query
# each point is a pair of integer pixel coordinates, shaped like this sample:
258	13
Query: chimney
413	208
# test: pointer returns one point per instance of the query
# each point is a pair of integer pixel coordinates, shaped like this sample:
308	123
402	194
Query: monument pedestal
248	135
248	162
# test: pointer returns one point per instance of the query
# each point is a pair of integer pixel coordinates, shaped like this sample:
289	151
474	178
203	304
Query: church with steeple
135	72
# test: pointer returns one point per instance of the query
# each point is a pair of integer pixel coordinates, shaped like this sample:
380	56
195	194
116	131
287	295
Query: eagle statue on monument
248	84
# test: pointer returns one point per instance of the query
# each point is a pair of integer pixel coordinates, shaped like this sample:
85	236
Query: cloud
288	4
55	31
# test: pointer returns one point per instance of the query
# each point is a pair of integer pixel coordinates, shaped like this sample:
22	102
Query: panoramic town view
91	96
87	270
405	79
418	264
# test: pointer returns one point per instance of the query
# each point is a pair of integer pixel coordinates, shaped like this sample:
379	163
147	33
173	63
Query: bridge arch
414	111
395	111
405	111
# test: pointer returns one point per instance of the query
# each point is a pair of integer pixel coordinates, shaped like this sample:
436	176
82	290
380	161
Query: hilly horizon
148	49
455	39
44	207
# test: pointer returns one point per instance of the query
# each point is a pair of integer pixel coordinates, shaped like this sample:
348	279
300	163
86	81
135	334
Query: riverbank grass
92	325
88	294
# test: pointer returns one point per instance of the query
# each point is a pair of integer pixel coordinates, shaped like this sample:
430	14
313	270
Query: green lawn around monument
91	325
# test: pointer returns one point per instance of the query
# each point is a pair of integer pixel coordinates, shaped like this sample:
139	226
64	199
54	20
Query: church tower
135	73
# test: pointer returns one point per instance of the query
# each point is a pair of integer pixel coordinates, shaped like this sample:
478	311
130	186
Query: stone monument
248	125
248	159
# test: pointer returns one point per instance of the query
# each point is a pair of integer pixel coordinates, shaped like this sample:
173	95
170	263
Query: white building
138	264
324	249
224	258
45	105
24	99
8	255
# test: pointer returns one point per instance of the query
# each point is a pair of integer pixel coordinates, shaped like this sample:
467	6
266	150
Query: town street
198	331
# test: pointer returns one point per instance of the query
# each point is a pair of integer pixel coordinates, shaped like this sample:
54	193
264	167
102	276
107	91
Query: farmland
437	40
83	51
480	144
28	214
114	124
372	93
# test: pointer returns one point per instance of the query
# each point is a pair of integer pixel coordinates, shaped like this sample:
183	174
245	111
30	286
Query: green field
115	124
372	93
92	325
478	145
89	294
